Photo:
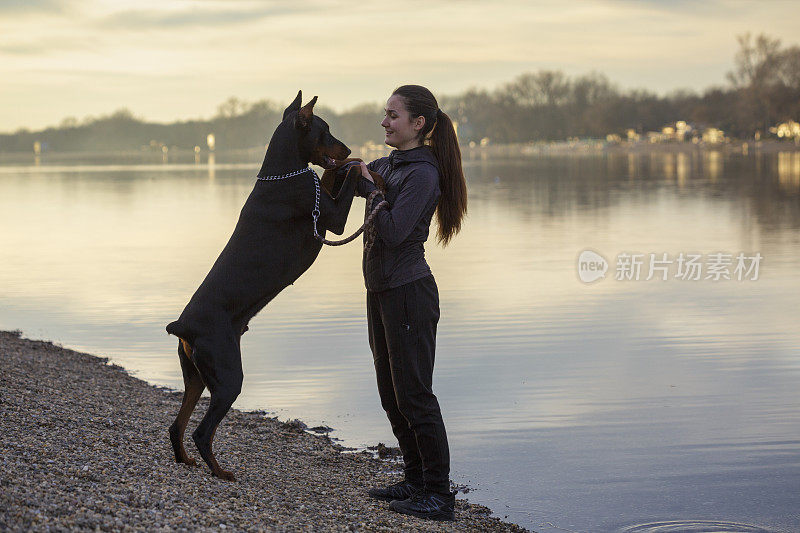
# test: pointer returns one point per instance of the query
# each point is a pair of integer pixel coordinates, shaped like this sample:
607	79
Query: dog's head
315	144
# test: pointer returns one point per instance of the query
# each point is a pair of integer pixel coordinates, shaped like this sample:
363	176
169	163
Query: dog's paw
341	162
224	475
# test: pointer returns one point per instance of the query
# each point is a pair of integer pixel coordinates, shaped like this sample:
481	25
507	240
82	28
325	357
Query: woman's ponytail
440	134
453	202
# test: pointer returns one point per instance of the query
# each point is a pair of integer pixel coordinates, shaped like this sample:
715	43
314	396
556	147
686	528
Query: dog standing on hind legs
272	245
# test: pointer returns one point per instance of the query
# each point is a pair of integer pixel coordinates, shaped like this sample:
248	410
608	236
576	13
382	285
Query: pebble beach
85	447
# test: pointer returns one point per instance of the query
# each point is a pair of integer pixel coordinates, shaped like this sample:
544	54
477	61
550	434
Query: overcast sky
179	59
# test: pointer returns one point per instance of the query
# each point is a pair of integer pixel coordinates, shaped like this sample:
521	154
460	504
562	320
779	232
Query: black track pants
402	335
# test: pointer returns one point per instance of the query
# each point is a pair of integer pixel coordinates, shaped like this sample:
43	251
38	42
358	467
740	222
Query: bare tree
756	75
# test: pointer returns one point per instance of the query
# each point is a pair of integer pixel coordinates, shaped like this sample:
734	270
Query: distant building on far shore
787	130
713	136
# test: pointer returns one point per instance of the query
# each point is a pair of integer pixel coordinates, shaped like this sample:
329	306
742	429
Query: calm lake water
618	405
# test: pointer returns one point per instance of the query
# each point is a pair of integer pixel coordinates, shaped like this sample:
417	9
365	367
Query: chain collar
289	175
315	213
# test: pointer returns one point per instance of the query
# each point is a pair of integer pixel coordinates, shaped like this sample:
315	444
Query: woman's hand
365	172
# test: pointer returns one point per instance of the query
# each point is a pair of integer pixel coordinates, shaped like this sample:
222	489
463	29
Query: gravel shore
84	446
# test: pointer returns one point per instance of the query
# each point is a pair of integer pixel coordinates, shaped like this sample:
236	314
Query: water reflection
789	171
591	407
713	165
212	166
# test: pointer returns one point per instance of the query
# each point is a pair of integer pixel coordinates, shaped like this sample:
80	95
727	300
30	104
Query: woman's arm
366	184
395	224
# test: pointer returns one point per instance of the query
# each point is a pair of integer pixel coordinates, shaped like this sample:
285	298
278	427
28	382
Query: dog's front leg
333	212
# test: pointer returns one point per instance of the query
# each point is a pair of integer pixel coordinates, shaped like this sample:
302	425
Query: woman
423	176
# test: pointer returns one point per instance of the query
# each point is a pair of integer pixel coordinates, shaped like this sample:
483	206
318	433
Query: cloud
24	49
29	6
232	14
155	55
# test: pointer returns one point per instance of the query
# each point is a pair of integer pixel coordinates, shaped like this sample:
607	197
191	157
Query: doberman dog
272	244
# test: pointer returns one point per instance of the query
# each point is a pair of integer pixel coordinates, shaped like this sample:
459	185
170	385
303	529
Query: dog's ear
305	115
294	106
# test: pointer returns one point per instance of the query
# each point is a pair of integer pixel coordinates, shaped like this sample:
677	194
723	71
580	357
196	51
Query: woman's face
402	132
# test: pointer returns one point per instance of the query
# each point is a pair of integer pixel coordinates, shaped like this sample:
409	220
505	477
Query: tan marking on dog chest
187	349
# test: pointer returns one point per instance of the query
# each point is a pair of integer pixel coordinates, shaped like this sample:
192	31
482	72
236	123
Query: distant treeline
236	125
762	90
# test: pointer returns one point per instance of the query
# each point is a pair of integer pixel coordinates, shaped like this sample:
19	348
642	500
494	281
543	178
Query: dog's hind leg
220	365
193	388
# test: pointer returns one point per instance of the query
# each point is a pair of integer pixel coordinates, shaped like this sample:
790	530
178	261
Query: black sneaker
398	491
430	505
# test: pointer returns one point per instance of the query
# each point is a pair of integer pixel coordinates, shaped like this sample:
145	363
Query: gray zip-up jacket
397	256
